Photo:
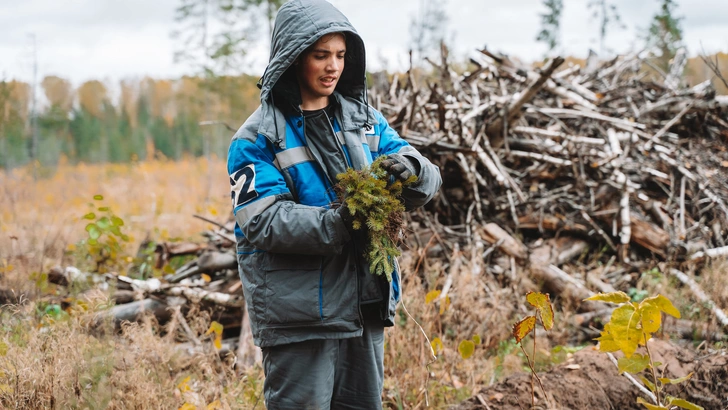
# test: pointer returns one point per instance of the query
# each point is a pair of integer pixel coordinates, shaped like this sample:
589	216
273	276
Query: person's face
320	68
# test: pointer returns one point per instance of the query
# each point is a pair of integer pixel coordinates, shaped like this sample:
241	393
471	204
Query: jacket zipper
356	262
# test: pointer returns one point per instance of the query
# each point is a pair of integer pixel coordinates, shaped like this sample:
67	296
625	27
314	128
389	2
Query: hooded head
298	25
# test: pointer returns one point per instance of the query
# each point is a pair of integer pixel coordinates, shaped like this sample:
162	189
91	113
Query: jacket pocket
293	293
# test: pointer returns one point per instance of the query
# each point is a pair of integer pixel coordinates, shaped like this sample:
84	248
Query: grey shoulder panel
249	130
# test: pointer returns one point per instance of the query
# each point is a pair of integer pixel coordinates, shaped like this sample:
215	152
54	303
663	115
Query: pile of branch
633	171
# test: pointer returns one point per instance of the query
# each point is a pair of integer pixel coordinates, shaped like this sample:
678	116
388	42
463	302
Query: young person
316	311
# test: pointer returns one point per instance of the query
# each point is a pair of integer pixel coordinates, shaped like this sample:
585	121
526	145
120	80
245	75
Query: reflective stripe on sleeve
244	214
293	156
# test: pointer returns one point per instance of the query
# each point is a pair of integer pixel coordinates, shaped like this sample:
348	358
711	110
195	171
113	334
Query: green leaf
103	208
662	303
649	406
523	328
476	339
612	297
103	223
666	380
3	348
116	221
93	231
634	364
543	306
90	216
99	197
684	404
466	348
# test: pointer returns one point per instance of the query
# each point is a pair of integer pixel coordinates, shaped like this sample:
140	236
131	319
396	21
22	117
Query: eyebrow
321	50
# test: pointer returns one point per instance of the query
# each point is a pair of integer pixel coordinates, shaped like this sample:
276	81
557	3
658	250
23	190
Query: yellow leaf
214	327
524	327
217	342
648	384
182	386
634	364
684	404
612	297
649	406
545	311
432	295
444	304
437	345
466	348
665	380
206	278
662	303
7	389
214	405
476	339
606	342
623	327
188	406
651	318
3	348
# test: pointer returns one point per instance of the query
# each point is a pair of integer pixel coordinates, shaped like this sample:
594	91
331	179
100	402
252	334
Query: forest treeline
147	118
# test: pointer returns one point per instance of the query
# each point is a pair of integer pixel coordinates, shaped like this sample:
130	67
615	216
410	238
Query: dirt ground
589	380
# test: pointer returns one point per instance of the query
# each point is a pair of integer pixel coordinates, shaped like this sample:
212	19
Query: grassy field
50	360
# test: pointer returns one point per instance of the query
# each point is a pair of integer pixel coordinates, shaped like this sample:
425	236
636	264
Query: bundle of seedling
373	200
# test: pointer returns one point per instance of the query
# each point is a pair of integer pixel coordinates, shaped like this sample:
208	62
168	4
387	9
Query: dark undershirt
321	139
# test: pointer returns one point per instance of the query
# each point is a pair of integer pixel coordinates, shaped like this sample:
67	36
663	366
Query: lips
328	81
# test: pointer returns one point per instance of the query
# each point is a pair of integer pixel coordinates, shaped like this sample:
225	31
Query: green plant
544	313
104	246
375	207
631	326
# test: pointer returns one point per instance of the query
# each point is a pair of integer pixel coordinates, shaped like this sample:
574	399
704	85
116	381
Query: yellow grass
40	219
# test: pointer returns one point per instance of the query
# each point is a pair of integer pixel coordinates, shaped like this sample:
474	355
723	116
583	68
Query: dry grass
54	361
58	363
40	219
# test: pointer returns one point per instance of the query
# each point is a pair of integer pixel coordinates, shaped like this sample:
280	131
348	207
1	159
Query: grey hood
298	25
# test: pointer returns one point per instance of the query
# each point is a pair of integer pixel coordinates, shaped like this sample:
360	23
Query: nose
334	64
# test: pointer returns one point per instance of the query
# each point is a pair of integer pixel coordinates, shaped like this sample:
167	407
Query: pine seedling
375	206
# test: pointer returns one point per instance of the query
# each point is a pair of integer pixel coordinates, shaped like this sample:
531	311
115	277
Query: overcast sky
111	40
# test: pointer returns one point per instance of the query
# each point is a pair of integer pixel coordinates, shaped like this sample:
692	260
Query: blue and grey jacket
304	275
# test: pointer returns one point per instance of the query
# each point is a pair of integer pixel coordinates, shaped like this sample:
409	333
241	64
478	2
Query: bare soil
589	380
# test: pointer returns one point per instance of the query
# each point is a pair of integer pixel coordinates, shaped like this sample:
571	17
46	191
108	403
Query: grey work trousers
326	374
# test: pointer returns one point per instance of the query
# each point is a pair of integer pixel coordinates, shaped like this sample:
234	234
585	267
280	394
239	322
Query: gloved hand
399	167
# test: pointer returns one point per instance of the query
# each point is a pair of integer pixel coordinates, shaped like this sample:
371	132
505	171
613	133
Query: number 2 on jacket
242	186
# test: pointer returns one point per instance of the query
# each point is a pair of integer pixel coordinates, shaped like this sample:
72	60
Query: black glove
399	167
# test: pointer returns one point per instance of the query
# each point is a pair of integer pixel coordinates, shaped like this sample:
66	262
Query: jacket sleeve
428	174
264	209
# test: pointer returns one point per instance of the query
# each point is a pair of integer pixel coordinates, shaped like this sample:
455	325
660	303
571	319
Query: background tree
428	29
665	35
607	16
550	33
